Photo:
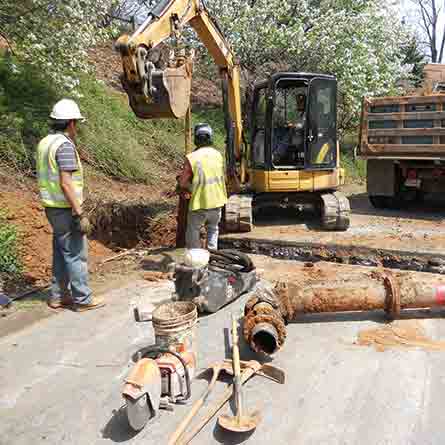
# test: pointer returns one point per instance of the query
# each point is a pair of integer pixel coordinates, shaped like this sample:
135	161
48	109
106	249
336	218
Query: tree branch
442	46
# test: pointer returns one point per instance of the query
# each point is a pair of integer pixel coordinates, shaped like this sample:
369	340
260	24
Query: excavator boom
155	93
293	156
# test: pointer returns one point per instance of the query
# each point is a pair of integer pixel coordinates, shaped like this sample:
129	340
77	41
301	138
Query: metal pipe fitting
267	313
265	338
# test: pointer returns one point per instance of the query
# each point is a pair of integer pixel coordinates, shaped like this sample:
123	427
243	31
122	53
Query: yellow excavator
292	156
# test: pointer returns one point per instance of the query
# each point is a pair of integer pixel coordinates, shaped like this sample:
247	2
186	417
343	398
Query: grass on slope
10	263
112	140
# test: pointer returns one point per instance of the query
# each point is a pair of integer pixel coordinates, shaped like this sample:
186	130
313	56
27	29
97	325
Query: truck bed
410	127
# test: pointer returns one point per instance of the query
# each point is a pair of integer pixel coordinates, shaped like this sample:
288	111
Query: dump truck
403	140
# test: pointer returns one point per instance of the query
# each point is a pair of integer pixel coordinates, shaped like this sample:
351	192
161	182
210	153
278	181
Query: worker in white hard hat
61	187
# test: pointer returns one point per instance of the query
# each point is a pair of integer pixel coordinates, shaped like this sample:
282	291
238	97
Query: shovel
250	369
5	301
240	423
216	368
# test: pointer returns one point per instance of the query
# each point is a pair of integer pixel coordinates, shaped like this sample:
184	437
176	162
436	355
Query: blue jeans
195	220
70	254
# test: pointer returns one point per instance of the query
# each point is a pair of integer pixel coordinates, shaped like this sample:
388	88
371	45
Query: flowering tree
357	40
54	35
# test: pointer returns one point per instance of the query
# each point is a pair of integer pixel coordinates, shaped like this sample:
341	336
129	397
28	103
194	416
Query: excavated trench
361	256
130	224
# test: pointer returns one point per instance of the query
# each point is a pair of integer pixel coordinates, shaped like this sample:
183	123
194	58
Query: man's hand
82	224
184	180
185	194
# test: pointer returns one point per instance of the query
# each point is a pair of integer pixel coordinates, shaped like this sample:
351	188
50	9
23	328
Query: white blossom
359	41
54	35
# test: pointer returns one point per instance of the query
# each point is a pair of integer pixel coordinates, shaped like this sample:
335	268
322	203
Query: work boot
95	303
57	302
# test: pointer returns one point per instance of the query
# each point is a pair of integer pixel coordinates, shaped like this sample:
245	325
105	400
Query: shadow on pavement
431	210
376	316
159	264
117	429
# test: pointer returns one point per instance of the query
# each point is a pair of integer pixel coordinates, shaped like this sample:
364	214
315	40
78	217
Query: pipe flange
274	321
392	300
265	296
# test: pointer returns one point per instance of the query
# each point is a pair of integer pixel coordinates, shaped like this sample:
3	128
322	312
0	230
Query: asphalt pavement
60	381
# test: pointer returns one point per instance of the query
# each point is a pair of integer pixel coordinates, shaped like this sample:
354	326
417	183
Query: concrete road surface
60	382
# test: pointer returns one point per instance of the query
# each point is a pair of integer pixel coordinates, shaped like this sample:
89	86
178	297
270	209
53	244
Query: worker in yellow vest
203	179
61	185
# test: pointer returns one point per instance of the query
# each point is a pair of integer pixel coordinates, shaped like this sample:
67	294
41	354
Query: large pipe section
268	311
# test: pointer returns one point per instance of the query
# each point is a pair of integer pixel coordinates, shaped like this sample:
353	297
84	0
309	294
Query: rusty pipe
265	337
267	313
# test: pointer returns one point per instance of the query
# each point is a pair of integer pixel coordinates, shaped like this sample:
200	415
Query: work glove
82	224
185	194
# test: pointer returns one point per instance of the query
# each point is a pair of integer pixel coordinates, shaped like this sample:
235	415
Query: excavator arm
166	21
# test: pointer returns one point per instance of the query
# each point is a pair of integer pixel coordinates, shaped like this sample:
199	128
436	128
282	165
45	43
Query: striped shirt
66	157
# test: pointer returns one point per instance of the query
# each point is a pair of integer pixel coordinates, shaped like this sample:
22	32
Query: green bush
9	257
355	168
25	101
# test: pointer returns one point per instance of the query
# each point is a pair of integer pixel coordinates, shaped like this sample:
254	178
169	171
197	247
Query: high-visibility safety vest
48	173
208	184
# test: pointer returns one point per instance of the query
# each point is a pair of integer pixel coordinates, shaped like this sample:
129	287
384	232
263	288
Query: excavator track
239	214
335	211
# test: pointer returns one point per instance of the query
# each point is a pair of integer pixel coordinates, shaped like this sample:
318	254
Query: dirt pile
156	276
125	215
108	65
401	333
162	232
35	235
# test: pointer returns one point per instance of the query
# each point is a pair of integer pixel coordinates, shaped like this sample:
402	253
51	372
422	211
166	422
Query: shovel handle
246	375
235	349
236	368
195	408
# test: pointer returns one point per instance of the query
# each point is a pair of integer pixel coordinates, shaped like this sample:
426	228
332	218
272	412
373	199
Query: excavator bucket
168	97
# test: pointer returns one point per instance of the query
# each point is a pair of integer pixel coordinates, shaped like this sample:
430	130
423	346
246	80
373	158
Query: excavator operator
203	181
289	147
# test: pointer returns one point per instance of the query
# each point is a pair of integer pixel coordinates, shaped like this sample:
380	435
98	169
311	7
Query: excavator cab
293	122
293	156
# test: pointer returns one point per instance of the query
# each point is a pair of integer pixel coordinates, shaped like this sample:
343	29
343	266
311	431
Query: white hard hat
66	109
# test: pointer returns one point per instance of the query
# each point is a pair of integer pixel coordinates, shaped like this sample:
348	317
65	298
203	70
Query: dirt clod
157	276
